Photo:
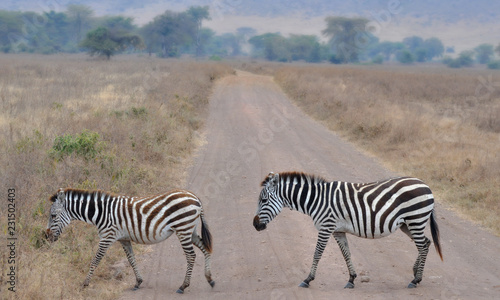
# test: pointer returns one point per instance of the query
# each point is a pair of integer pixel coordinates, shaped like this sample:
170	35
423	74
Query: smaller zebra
143	220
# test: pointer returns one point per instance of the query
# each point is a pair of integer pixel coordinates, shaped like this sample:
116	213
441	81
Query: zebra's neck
304	197
88	206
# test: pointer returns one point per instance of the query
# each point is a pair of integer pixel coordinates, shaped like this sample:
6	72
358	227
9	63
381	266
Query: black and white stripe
144	220
368	210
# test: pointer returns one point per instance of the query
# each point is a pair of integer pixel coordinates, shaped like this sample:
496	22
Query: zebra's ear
273	178
60	196
269	179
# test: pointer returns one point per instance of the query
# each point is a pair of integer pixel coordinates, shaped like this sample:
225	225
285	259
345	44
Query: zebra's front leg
323	237
127	247
187	246
103	247
344	248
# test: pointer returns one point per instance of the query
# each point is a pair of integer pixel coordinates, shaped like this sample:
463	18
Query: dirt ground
254	129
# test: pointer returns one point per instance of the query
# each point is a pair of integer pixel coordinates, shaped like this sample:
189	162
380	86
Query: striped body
144	220
369	210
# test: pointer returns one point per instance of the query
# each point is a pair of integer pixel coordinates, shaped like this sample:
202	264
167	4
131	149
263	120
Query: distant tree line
172	34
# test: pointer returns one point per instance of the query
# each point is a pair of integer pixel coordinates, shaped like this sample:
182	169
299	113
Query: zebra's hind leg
187	245
127	247
198	243
416	233
344	248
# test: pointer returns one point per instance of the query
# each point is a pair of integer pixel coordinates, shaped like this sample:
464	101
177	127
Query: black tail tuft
206	236
435	235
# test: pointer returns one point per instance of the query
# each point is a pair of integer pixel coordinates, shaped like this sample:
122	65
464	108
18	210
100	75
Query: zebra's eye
53	216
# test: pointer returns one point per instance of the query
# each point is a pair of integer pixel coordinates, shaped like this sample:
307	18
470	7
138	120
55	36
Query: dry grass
437	124
144	113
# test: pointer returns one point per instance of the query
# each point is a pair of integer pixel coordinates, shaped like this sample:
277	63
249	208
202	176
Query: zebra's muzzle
257	224
50	236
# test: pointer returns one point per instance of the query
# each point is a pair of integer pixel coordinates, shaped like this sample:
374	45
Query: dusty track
252	130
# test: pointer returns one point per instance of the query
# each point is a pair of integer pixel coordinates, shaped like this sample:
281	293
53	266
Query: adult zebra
144	220
369	210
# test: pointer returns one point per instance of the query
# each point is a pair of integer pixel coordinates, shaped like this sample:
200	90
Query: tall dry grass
437	124
133	121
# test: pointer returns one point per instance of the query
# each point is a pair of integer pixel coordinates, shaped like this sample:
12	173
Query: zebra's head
270	204
59	216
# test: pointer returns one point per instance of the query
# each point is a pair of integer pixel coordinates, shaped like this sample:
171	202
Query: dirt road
252	130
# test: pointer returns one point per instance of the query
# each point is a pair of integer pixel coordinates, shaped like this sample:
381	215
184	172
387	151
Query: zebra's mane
83	193
297	177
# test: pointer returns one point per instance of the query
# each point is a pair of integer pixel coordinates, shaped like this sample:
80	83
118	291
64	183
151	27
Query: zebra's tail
206	236
435	235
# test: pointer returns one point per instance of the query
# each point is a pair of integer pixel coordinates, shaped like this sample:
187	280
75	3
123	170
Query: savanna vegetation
127	125
176	33
441	125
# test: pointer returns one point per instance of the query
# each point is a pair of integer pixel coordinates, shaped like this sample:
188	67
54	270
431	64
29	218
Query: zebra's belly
148	238
369	233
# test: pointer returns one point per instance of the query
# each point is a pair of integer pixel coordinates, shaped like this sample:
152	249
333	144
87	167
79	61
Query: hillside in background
459	23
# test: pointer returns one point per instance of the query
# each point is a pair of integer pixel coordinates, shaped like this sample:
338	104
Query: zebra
143	220
368	210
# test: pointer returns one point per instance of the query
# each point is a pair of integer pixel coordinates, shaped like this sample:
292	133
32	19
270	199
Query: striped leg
323	237
422	242
127	247
187	246
344	248
103	247
198	243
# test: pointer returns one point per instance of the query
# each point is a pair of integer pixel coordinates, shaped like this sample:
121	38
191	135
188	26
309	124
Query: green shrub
405	57
138	112
29	144
215	58
85	144
378	59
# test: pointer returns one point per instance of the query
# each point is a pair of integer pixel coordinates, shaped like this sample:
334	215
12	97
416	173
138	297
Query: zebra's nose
257	224
50	236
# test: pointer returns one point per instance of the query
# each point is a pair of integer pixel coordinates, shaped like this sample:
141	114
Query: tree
271	46
57	32
405	57
11	31
103	42
301	46
421	54
198	13
413	43
433	47
464	59
386	48
79	17
484	53
169	31
348	37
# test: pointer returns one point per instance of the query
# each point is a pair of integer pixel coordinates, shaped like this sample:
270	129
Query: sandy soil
254	129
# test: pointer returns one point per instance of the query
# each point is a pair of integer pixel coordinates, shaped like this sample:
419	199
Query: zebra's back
374	210
153	219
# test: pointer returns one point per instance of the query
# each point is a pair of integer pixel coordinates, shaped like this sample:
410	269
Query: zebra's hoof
212	283
349	285
180	291
304	285
412	285
135	288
